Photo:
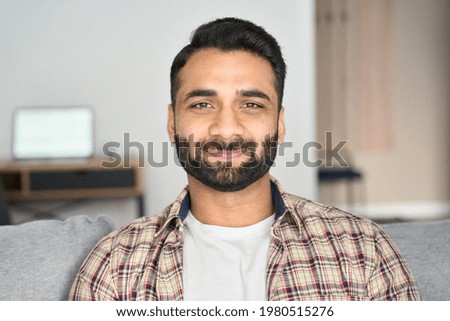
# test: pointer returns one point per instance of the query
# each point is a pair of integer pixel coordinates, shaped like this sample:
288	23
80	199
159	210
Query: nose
226	124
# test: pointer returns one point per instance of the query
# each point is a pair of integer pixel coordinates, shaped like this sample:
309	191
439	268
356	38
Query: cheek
262	130
198	129
188	128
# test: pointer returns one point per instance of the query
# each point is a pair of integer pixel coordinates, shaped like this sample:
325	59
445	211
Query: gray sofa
426	247
40	259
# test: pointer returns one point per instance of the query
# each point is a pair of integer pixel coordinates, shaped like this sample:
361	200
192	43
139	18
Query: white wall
115	55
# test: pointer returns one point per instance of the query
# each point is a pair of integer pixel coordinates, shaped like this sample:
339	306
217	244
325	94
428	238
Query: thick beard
222	176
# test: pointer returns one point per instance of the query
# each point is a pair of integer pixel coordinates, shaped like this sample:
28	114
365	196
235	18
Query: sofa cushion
426	248
40	259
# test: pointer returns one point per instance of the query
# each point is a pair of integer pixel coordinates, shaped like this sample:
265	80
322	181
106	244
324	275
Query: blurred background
372	73
383	87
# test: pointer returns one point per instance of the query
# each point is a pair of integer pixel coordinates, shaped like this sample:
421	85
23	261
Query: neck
231	209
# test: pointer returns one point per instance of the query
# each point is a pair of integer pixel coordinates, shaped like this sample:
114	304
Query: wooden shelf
67	180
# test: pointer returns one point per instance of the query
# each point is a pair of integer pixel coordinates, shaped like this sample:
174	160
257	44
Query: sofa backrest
426	248
39	260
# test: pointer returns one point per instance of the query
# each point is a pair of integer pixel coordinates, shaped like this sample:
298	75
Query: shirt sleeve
391	279
94	280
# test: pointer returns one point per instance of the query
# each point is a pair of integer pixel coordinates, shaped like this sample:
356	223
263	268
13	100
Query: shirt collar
283	205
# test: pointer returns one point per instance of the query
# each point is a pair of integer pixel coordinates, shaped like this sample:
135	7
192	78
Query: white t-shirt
225	263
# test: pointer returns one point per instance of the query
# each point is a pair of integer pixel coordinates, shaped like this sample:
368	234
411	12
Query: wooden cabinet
70	180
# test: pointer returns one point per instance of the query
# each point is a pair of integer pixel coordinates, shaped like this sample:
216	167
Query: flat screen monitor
53	132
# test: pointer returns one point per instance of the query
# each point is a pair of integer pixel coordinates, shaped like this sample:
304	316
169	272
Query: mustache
220	145
194	154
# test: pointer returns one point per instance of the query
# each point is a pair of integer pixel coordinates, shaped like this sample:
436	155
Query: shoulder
331	229
102	272
140	232
323	218
355	244
317	219
334	229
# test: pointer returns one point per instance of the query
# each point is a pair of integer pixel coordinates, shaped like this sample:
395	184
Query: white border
346	311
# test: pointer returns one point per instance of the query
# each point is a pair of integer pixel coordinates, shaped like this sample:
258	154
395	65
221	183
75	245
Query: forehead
238	68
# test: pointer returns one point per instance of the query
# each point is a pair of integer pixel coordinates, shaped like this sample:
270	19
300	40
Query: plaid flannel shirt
316	253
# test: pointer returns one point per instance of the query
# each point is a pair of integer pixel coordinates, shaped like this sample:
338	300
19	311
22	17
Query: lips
227	151
225	154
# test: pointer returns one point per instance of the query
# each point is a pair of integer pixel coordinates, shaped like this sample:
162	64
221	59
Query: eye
201	105
252	105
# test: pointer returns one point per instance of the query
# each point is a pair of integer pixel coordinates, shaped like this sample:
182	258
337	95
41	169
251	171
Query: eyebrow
200	93
252	93
212	93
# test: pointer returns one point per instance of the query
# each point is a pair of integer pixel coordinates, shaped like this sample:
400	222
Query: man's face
226	124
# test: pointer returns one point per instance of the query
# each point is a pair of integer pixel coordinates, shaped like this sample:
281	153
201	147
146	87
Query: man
233	233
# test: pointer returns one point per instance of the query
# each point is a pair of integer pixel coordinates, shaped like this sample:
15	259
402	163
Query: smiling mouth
225	154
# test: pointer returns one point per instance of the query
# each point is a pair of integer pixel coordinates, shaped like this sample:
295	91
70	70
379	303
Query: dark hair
229	34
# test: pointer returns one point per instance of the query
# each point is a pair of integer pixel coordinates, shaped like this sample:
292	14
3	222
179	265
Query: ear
171	123
281	128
